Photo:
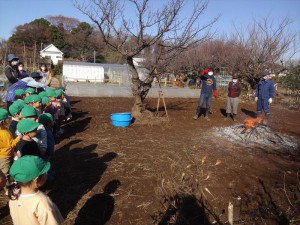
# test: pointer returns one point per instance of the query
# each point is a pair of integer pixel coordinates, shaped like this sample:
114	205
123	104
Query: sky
233	12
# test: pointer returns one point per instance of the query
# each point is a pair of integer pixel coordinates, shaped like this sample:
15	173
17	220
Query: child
36	102
29	205
19	94
27	100
27	146
47	120
29	91
61	103
55	106
15	112
2	180
7	143
42	94
29	112
46	105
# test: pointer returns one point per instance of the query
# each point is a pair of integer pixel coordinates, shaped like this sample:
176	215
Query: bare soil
171	172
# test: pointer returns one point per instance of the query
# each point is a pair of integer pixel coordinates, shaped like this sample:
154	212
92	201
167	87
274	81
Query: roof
51	48
93	64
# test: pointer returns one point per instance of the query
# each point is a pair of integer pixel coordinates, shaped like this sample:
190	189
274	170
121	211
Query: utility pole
34	51
24	54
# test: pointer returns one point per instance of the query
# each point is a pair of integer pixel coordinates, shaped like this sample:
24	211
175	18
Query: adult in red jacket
234	91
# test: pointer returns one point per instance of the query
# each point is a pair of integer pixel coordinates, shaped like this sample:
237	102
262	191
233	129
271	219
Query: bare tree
159	33
262	46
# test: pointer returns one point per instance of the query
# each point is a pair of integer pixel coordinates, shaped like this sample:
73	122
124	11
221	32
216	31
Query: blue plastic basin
121	119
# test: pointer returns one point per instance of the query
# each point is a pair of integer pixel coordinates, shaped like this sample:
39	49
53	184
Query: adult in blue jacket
209	88
264	94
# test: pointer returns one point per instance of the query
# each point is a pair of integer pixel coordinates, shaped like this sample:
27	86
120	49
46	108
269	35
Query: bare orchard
174	172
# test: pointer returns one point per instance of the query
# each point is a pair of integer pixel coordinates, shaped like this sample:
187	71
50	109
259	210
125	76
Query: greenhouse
99	73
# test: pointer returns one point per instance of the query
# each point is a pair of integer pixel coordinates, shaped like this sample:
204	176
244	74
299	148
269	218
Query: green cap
16	107
28	167
20	92
45	118
42	94
59	92
35	98
27	99
51	93
27	125
3	114
30	90
28	111
45	100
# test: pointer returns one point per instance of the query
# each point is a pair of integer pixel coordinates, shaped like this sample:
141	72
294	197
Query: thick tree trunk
136	84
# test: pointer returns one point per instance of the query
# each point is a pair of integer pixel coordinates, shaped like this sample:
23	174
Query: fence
223	81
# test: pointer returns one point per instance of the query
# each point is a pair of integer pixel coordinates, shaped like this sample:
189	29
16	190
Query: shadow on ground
187	210
77	171
249	113
99	208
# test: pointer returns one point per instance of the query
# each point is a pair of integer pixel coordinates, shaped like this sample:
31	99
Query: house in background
54	53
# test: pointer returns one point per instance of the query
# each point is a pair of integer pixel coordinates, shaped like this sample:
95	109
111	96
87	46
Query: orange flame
250	122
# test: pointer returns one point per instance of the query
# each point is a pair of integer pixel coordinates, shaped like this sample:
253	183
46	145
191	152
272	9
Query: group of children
27	142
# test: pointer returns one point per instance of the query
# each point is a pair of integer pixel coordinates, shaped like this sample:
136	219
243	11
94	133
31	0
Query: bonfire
255	131
250	124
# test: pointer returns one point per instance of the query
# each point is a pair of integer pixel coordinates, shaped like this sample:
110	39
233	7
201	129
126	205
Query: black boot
197	114
206	116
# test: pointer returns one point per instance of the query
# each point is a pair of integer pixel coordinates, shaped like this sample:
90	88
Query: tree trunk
136	86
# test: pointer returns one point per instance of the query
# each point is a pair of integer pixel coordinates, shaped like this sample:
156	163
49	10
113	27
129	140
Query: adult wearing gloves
209	88
264	94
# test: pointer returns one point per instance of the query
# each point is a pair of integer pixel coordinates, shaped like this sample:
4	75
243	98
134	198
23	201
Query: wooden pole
157	104
230	213
164	104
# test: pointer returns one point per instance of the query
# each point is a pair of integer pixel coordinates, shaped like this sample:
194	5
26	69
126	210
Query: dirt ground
173	172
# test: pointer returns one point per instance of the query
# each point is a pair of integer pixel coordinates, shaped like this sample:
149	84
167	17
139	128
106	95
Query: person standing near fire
264	94
209	88
234	91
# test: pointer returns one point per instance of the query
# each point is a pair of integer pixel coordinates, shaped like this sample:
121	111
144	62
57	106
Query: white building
54	53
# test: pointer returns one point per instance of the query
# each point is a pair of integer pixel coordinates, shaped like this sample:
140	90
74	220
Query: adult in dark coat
11	70
264	94
209	88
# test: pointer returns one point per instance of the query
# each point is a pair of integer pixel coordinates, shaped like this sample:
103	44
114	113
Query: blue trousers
263	105
204	97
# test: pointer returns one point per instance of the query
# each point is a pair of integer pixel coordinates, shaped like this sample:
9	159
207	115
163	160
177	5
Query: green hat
51	93
28	167
20	92
28	111
27	99
42	94
16	107
27	125
59	92
45	100
3	114
35	98
45	118
30	90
